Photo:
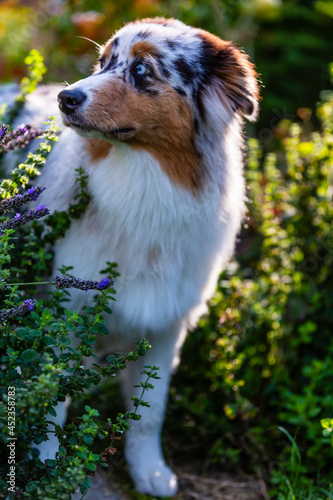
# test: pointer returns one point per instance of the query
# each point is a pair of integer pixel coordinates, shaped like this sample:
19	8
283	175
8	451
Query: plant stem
32	283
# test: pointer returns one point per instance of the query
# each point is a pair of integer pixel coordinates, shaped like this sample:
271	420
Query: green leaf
111	358
52	411
85	485
54	326
88	439
90	466
103	330
49	340
35	316
36	333
51	463
21	332
62	452
29	355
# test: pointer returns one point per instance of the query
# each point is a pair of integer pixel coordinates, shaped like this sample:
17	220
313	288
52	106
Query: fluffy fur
157	128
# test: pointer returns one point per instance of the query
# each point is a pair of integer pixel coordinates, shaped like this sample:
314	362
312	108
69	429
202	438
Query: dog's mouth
91	131
128	131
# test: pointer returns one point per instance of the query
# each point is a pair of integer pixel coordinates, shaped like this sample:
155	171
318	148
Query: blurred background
290	41
263	358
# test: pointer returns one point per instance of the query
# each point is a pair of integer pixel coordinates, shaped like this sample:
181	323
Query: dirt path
215	486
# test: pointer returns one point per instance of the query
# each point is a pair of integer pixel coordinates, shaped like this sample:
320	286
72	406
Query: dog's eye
101	61
142	69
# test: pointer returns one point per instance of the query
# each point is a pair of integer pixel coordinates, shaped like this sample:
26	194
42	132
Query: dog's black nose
70	100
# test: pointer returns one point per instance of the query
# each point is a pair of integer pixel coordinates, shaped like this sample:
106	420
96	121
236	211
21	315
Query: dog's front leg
143	450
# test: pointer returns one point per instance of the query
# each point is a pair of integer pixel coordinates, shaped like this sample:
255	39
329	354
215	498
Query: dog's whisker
89	40
151	57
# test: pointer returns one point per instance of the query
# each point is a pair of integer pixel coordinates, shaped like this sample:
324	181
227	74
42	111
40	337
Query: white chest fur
169	244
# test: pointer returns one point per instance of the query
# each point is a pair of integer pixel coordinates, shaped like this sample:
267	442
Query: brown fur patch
163	126
237	75
97	149
143	48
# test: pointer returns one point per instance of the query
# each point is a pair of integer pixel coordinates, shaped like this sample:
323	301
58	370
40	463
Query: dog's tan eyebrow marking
143	48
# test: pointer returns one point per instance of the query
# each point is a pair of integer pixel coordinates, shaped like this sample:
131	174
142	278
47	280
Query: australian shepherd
157	128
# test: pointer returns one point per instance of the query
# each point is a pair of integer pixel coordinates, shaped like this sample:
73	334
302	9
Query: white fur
165	241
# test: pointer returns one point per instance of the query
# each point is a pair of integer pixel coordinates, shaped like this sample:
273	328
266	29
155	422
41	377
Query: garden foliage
39	366
263	357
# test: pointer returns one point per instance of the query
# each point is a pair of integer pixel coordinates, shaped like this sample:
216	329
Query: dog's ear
232	75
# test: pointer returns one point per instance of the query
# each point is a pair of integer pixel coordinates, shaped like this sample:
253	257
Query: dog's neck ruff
131	183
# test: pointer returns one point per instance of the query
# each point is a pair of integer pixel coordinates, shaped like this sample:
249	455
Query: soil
211	486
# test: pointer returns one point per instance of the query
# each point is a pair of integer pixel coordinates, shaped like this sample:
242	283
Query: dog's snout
70	100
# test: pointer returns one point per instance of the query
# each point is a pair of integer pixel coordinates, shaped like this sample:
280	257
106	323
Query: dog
157	128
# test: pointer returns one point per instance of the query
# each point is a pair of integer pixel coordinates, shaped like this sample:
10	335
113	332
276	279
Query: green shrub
263	357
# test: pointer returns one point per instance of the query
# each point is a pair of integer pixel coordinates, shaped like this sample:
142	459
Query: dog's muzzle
70	100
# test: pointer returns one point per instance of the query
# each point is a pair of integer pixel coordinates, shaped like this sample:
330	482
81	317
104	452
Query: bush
263	357
39	365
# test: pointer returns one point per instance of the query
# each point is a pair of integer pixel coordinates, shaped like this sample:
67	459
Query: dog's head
158	84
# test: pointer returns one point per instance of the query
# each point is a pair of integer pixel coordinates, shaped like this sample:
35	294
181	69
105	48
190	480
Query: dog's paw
158	481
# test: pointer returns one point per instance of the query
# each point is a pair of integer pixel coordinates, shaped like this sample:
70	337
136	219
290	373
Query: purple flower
19	220
23	129
33	191
23	308
30	304
9	204
3	132
102	285
18	138
68	282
